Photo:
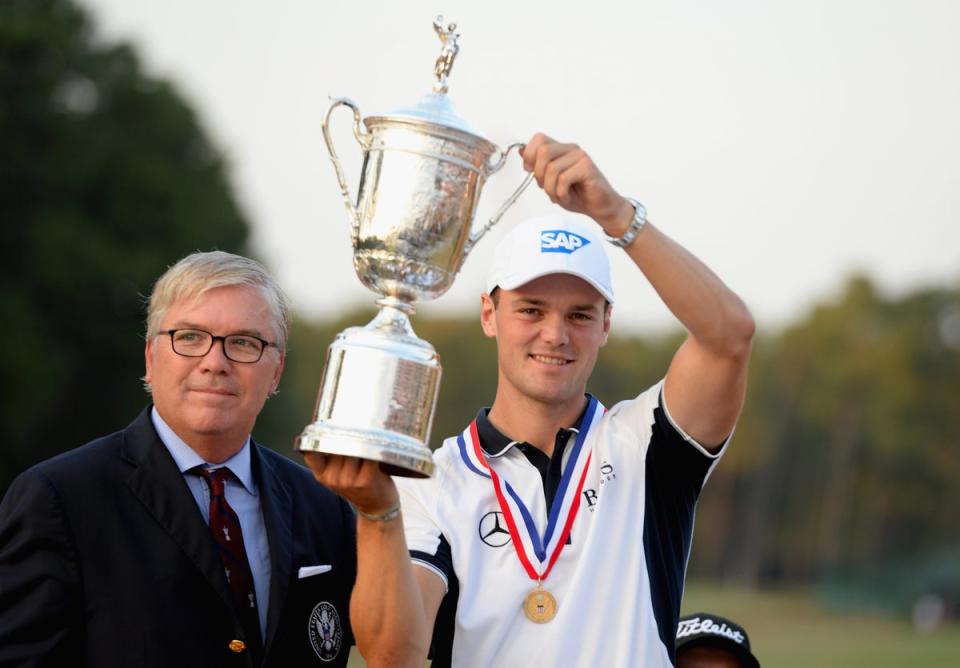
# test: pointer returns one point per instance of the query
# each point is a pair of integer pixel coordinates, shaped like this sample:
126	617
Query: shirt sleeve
427	545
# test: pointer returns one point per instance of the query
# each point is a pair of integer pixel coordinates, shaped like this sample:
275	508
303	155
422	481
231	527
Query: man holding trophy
559	530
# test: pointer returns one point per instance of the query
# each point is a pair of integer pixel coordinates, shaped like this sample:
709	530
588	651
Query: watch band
637	224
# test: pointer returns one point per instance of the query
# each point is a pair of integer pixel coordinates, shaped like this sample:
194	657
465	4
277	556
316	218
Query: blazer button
237	646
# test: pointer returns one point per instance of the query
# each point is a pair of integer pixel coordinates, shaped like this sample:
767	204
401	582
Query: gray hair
199	272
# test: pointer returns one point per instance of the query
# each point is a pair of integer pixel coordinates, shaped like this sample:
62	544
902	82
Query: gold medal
539	605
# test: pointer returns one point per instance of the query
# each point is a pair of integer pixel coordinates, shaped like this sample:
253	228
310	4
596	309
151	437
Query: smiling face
548	334
210	401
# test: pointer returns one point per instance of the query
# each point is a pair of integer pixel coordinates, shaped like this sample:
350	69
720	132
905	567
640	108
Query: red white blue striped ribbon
538	553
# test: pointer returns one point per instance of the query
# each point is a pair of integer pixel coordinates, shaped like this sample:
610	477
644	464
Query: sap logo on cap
561	241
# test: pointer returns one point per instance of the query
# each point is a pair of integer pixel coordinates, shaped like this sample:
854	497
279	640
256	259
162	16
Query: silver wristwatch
639	220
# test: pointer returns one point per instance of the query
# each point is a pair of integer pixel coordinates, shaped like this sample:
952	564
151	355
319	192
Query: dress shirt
242	495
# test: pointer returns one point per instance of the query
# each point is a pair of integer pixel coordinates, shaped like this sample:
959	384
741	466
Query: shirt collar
186	458
495	444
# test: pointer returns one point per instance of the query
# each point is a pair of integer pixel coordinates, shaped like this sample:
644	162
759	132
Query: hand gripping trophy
423	169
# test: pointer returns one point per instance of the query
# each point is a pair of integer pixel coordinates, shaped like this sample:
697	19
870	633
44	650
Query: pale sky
786	144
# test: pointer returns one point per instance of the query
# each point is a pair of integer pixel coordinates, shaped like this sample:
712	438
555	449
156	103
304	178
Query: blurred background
809	153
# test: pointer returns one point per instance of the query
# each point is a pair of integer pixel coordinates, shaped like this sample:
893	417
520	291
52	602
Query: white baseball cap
553	244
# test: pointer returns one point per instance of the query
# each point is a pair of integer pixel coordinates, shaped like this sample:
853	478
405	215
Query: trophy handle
363	140
491	169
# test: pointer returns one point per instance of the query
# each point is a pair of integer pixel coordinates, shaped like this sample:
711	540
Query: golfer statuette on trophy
423	170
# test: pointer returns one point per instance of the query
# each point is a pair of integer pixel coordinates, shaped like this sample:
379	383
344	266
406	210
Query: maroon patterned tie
225	527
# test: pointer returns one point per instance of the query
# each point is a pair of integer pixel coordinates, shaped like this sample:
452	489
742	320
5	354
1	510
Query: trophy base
377	396
396	454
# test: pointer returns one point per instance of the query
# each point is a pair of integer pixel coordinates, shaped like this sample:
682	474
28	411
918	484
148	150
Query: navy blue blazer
105	560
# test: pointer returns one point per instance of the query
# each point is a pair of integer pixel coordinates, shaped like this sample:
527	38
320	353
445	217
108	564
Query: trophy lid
435	107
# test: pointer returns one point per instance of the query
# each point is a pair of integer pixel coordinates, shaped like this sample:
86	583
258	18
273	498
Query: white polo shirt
618	580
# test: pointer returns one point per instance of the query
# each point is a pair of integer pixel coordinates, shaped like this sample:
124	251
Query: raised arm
394	604
706	381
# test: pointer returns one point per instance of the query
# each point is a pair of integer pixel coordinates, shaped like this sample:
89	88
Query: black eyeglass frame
223	343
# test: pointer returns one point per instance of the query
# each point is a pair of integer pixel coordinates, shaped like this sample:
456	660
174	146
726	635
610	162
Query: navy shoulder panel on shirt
675	473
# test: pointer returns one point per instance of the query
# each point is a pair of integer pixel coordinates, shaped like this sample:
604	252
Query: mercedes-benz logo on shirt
493	530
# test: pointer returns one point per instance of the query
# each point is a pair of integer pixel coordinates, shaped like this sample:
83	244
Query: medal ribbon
528	543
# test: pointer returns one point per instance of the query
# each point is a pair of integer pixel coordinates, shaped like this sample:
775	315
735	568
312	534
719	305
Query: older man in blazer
179	541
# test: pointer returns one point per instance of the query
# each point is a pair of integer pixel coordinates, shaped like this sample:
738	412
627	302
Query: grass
789	629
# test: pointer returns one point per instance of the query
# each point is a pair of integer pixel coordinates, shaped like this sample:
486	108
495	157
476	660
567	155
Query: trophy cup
423	170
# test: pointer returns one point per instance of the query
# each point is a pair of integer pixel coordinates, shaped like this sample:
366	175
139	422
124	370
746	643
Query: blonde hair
199	272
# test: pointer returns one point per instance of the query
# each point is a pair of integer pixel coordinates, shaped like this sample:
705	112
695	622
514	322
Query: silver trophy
412	228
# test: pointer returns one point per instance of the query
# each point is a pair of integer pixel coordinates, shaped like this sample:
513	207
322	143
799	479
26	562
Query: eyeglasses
243	348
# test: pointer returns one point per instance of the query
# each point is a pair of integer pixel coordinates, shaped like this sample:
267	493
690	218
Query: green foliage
849	442
106	180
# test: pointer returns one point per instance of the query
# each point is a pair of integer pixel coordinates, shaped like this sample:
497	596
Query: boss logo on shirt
606	476
493	530
561	241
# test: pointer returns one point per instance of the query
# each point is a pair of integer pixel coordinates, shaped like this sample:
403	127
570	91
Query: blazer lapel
159	485
277	508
